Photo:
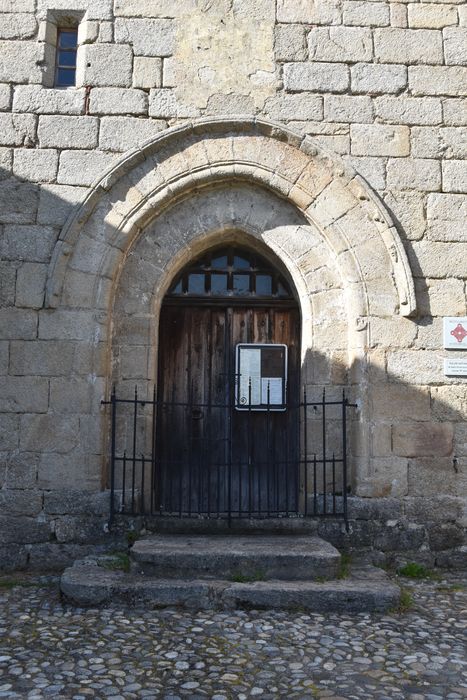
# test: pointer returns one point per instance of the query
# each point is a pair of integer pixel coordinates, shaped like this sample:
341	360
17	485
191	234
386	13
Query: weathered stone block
153	8
454	176
17	129
35	165
66	502
409	110
5	97
13	558
73	395
423	439
19	61
366	14
76	470
415	367
316	77
438	80
9	437
445	536
394	45
49	433
30	285
400	536
18	203
446	216
297	106
17	6
68	132
440	297
455	41
449	402
20	470
17	25
62	324
435	259
83	167
17	323
398	13
435	142
7	283
6	162
434	477
4	356
125	133
30	243
373	170
318	12
397	401
289	42
147	72
414	174
38	100
148	37
56	203
20	502
345	108
454	111
409	208
379	140
51	358
118	101
431	16
106	65
22	530
163	104
79	529
453	559
19	394
340	44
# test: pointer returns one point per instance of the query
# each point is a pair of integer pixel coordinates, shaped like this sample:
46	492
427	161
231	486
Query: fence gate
229	460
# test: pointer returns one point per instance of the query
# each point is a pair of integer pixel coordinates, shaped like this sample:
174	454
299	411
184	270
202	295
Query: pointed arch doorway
228	378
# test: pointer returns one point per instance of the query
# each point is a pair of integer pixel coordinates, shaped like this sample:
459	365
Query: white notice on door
250	370
275	390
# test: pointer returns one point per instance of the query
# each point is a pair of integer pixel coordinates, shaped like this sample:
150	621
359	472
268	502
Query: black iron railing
192	458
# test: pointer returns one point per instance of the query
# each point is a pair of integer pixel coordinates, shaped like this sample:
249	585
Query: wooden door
212	458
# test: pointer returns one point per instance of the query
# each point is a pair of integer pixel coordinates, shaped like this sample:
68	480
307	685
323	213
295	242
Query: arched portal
213	181
229	387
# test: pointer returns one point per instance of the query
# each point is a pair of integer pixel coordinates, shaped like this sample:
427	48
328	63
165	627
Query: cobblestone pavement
49	649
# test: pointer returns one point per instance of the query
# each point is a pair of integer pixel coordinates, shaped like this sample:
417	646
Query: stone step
235	557
365	590
237	526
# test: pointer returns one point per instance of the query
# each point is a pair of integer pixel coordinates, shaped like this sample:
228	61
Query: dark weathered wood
196	367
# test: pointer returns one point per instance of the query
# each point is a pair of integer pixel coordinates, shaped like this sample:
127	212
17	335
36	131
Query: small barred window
65	65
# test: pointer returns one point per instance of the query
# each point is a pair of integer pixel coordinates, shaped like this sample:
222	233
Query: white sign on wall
455	368
455	333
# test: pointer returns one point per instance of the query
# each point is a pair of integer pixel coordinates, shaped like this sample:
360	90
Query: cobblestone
49	649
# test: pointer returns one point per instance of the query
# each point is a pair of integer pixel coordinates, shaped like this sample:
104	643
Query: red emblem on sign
459	333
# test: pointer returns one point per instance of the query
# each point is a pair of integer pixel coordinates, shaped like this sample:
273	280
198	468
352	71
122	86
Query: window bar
190	459
333	484
315	485
229	465
249	448
133	476
113	402
305	449
268	450
344	457
323	403
152	495
286	469
143	468
124	482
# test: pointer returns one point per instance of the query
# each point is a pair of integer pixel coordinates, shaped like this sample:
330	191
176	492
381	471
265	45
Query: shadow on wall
409	437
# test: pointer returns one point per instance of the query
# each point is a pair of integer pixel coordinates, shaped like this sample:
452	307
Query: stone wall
382	85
